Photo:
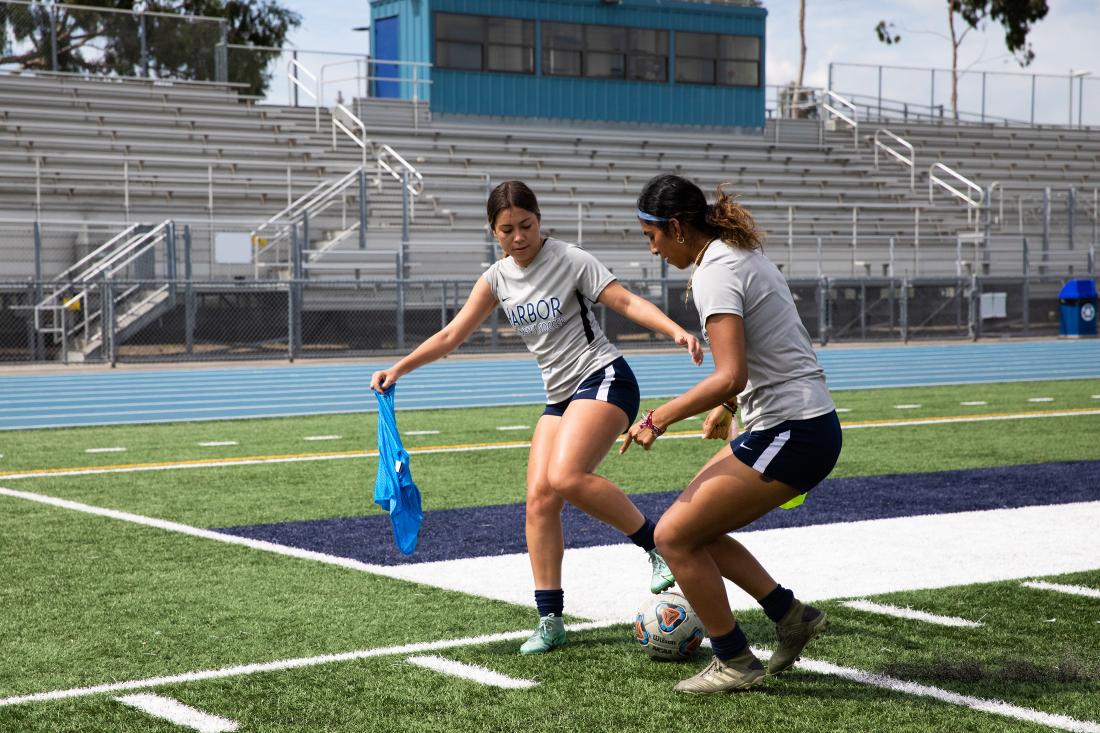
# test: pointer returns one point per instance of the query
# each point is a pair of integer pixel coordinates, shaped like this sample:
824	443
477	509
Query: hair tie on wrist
647	423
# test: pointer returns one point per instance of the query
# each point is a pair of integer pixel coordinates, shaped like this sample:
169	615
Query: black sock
550	602
643	538
777	603
729	645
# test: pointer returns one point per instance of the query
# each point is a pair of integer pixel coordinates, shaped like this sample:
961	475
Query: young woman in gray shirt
765	365
545	287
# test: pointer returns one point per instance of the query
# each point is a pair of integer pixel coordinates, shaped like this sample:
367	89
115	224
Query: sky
843	31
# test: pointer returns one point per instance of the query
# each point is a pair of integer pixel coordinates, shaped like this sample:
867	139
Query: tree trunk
954	60
802	38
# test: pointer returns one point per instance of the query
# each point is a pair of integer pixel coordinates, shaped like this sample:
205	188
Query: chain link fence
163	320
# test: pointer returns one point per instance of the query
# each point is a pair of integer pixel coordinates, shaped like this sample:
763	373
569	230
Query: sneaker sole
815	632
662	587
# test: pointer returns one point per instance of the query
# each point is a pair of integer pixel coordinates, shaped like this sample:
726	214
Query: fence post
362	209
144	45
1046	228
823	310
107	308
303	244
404	206
903	310
974	326
221	56
819	265
189	293
53	38
1027	290
294	293
400	305
170	247
1071	204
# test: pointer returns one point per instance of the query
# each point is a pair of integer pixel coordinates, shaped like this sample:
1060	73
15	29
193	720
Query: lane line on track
469	447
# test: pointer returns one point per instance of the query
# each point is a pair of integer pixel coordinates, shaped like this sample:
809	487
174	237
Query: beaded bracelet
647	422
731	409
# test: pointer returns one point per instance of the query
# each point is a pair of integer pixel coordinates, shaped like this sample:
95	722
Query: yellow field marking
498	445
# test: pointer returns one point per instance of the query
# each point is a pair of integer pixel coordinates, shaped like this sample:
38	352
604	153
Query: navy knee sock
643	538
550	602
777	603
729	645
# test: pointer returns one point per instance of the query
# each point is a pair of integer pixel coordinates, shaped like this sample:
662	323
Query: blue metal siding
535	95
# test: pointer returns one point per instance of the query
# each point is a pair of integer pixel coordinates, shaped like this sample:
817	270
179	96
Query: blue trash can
1077	308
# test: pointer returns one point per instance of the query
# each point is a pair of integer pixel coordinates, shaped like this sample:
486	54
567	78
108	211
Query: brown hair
673	197
507	195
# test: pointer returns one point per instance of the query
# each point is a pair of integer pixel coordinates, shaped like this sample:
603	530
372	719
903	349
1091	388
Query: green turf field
89	600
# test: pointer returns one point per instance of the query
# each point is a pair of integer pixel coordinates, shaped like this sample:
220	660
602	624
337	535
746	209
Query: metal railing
910	161
973	205
852	120
390	161
342	117
293	69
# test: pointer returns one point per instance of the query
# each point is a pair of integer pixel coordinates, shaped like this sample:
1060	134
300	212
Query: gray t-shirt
786	382
548	303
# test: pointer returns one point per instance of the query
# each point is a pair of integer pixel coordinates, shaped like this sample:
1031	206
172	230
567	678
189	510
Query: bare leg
724	495
545	543
588	430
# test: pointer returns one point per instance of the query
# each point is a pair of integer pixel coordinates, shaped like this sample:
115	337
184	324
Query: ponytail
668	197
733	223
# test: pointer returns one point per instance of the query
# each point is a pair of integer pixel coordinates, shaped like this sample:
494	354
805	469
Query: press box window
483	43
604	52
710	58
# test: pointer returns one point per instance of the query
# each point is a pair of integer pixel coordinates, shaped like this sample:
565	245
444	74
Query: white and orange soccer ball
667	628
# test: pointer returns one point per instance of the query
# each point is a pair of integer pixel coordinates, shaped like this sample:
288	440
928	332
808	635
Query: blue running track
189	393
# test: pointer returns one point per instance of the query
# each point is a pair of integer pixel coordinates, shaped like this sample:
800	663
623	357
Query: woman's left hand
637	434
692	344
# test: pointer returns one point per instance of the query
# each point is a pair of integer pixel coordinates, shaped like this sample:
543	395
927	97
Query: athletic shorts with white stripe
800	453
614	383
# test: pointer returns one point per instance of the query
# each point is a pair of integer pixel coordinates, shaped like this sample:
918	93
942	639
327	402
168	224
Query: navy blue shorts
614	383
800	453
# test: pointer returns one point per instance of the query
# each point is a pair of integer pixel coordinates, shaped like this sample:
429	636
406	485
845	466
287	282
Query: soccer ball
667	628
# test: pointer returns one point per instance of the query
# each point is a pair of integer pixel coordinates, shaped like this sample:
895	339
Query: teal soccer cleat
550	634
662	578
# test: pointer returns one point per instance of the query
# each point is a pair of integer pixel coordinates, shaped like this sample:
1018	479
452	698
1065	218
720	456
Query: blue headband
650	217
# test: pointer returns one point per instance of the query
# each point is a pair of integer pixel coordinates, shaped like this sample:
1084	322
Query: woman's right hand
383	379
717	425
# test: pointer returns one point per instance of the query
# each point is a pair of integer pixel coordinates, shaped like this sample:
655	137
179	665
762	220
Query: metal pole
362	209
37	342
1046	229
580	223
294	56
54	65
916	242
855	237
863	309
823	310
1069	123
903	310
189	293
819	268
1071	204
879	92
108	330
144	50
1027	291
37	187
293	293
790	240
126	189
958	256
400	314
983	96
170	251
404	206
891	257
975	324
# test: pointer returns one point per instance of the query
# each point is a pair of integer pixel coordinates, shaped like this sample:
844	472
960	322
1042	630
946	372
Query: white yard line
909	613
421	432
973	403
323	437
907	407
513	427
842	410
117	449
176	712
1040	399
283	664
217	443
1074	590
994	707
471	672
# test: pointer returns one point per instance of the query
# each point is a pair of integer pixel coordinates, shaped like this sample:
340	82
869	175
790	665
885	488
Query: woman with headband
545	287
765	366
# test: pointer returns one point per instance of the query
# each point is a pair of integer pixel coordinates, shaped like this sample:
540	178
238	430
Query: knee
566	482
669	539
542	502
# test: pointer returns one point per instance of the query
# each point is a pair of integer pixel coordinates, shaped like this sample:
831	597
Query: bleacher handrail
852	121
415	180
934	180
911	161
293	67
359	138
